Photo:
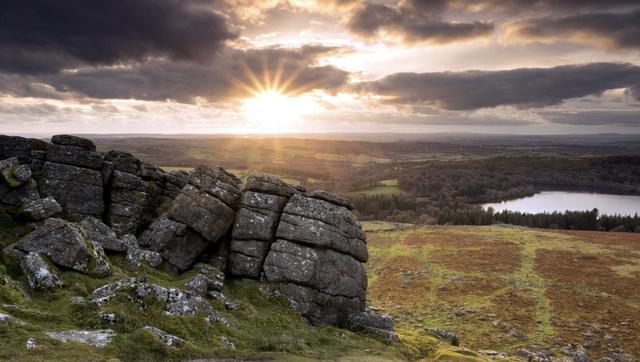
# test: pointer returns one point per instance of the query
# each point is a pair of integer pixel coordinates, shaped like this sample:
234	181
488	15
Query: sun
274	112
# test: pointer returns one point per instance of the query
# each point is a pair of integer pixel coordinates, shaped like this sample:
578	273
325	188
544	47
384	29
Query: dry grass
502	287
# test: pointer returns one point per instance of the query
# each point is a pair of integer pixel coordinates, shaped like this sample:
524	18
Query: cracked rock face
256	222
67	245
78	190
318	258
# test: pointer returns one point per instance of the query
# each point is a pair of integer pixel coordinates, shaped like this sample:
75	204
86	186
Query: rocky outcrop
308	245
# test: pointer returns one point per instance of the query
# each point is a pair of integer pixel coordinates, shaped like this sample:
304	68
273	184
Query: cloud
524	87
515	7
44	36
232	73
627	118
609	30
414	21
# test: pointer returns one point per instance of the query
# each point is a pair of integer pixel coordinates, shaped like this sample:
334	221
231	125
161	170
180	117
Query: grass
264	327
504	287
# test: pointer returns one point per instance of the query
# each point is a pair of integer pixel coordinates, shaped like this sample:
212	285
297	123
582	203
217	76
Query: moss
264	327
10	177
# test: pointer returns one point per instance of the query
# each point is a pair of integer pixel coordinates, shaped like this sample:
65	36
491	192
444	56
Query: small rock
515	333
164	337
97	338
447	335
459	313
110	318
31	343
40	274
197	284
232	304
227	344
76	299
217	295
40	209
215	318
6	318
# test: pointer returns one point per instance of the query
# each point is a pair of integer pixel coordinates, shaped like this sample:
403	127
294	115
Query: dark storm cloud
39	36
525	87
414	21
230	74
596	118
612	30
537	6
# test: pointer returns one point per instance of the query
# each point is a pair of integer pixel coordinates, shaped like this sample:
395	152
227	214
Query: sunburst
274	102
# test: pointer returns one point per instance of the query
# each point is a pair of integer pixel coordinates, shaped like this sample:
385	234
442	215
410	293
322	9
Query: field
503	287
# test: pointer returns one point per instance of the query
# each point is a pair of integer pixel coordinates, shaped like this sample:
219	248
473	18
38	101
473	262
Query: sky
330	66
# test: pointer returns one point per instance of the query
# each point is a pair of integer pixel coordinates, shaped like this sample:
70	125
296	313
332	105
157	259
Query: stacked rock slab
256	223
200	215
72	175
317	258
134	192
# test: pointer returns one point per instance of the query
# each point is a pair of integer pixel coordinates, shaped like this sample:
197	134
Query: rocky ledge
85	205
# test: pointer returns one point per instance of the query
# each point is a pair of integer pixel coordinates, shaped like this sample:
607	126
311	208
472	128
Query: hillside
501	288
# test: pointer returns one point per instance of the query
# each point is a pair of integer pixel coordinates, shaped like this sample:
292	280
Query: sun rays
274	99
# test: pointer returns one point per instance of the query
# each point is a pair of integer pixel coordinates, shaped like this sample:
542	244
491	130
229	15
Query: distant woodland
425	182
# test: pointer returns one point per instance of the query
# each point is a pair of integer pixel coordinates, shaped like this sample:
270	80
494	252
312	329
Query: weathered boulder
19	147
317	259
39	209
19	195
100	232
247	257
368	321
40	274
332	198
178	245
164	337
217	182
176	301
67	245
79	142
74	156
79	190
13	174
317	222
202	212
136	256
271	185
133	201
98	338
325	270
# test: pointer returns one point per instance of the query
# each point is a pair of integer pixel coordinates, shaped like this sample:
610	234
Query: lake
550	201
